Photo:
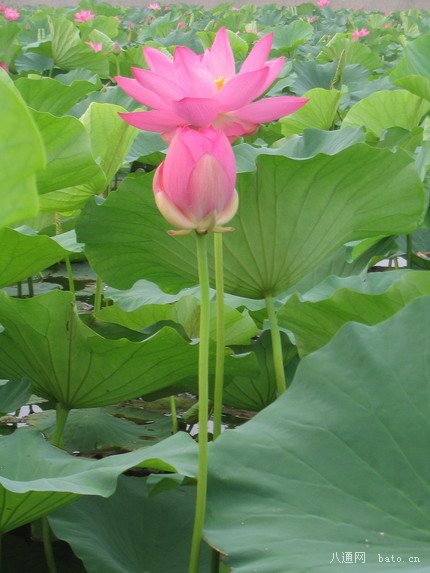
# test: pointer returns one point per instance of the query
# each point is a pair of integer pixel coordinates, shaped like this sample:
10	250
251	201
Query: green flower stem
57	440
30	287
173	414
62	415
199	519
47	546
276	346
70	275
220	335
19	289
98	295
409	250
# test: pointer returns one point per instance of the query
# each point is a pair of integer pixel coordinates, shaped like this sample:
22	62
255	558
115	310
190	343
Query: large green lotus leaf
353	53
72	198
319	112
144	292
239	328
387	108
50	95
111	137
293	215
13	395
286	38
312	142
22	255
70	161
256	391
92	430
338	464
45	341
132	531
21	156
70	53
418	85
315	317
42	478
415	59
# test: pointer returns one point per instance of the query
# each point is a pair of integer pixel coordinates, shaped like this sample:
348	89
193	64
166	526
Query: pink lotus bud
181	25
4	66
323	3
116	48
154	6
194	187
83	16
235	8
2	7
11	14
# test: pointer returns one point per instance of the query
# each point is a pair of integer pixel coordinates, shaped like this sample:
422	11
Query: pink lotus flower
181	25
2	7
11	14
199	91
194	187
83	16
235	8
95	46
4	66
311	19
323	3
388	25
359	34
154	6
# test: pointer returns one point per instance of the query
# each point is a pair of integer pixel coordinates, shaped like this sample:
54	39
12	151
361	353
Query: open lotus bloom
202	90
194	187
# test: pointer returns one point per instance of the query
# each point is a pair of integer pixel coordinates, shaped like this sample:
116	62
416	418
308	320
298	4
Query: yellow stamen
219	82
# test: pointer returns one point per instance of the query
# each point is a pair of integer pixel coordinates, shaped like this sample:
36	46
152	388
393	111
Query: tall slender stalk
47	546
409	250
62	414
70	275
173	414
57	440
220	335
30	287
203	403
276	346
98	295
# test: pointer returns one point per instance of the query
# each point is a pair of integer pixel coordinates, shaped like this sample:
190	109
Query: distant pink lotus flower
166	8
235	8
95	46
83	16
199	91
181	25
359	34
194	187
323	3
2	7
4	66
154	6
11	14
388	25
311	19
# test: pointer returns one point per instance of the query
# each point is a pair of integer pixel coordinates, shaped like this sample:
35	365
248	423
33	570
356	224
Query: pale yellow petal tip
223	229
178	233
